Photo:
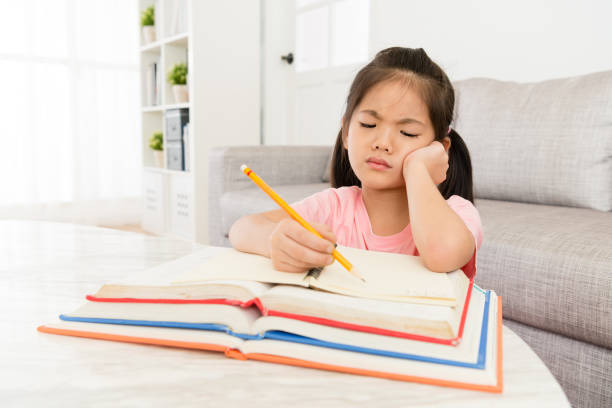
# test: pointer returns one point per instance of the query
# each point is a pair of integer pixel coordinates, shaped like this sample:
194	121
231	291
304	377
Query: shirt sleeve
318	207
470	216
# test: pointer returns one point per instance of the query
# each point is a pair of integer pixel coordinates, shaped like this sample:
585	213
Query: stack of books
404	322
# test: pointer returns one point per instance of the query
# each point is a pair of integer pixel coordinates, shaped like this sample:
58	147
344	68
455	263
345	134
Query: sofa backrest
548	142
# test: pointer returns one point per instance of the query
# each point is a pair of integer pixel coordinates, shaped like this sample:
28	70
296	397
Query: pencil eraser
244	166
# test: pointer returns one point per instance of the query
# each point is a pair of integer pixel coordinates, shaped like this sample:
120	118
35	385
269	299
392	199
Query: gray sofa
542	162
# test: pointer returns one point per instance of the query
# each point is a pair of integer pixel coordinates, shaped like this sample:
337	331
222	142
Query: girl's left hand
433	157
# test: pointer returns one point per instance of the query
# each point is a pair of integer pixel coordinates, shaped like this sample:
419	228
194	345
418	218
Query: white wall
519	40
515	40
226	101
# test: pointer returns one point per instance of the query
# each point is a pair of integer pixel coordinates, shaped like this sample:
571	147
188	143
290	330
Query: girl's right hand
293	248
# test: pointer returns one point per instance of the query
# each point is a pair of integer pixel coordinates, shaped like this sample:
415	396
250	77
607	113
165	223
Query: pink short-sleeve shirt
343	210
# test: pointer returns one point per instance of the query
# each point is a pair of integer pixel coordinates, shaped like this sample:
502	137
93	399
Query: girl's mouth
378	164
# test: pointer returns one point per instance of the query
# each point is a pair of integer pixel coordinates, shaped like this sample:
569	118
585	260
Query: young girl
401	178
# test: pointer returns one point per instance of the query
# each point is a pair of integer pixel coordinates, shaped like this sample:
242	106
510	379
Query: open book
388	276
404	359
247	323
433	323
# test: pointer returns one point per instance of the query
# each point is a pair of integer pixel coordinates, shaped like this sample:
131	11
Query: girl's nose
382	142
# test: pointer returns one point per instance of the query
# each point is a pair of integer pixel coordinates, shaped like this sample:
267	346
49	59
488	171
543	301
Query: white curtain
69	111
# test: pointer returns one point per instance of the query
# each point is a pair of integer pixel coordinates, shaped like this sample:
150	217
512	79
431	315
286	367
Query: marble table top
47	268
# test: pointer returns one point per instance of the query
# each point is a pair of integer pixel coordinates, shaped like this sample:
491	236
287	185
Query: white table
47	268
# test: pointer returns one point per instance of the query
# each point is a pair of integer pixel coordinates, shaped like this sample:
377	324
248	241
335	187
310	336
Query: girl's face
390	122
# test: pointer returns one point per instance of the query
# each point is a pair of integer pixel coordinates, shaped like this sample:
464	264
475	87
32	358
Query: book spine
150	85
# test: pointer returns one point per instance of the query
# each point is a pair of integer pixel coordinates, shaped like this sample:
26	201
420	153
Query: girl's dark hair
438	94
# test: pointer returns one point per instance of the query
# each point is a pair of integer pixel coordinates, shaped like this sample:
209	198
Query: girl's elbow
439	258
435	265
443	257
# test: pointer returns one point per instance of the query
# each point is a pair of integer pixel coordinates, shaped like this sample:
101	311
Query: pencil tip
244	166
356	274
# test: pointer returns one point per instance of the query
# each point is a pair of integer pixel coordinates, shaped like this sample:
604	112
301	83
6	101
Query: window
331	33
69	112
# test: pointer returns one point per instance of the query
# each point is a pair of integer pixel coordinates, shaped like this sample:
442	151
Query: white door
312	51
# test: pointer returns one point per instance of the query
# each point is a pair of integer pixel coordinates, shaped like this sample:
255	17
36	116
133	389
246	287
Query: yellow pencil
266	188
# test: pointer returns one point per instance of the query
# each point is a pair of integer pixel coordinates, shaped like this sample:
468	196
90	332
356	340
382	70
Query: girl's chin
380	180
372	183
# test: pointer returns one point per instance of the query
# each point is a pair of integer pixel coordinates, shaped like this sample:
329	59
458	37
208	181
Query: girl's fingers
283	266
293	248
326	232
283	261
301	255
306	238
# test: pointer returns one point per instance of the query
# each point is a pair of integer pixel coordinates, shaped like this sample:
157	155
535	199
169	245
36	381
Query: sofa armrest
276	165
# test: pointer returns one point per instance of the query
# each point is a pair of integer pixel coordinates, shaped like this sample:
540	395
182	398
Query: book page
305	301
237	319
467	350
218	289
164	273
388	276
427	320
460	284
231	264
148	332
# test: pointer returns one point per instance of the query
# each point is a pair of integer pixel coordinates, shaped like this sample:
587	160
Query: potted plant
147	21
177	77
156	142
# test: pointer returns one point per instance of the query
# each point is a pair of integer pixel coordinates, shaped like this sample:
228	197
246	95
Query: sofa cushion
552	266
548	142
235	204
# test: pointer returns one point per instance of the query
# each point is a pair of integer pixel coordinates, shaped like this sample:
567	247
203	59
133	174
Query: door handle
288	58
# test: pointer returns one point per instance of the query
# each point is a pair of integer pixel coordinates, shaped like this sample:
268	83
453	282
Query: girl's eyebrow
399	122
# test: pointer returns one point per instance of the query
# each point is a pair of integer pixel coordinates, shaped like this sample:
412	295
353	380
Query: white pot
148	32
181	93
159	158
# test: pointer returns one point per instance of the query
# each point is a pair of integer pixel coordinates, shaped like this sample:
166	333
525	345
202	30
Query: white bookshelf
219	42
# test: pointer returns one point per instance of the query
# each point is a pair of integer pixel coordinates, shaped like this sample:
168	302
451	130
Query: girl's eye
407	134
367	125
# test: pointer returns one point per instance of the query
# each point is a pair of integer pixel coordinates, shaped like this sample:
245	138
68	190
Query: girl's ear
446	142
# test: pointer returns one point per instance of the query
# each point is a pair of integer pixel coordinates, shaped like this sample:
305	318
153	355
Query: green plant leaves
156	142
178	74
147	18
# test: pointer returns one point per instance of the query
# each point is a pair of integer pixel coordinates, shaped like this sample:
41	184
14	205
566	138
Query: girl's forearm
440	235
251	233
